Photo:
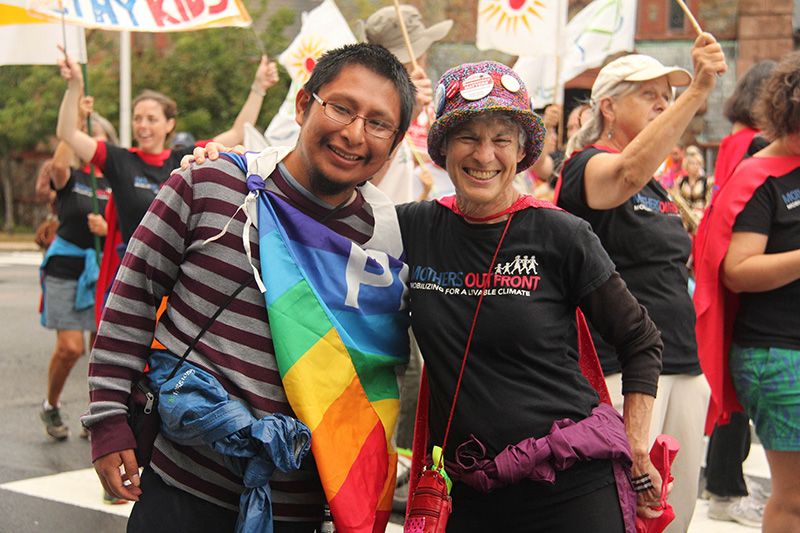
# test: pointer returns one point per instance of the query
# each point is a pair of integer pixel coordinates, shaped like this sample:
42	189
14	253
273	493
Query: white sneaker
747	511
718	507
744	510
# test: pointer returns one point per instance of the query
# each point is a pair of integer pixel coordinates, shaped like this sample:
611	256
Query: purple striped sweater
166	256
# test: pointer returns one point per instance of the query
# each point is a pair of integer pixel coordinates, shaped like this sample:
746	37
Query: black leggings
596	512
165	509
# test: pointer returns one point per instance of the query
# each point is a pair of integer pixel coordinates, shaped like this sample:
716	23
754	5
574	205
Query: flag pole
405	35
689	14
557	91
95	202
414	65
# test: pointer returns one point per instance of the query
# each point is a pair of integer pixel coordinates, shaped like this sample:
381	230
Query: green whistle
438	465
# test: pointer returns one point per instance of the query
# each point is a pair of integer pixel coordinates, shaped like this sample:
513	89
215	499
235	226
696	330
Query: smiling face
332	158
481	160
151	126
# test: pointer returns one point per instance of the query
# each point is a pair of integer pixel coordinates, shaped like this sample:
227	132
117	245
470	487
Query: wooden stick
405	35
693	20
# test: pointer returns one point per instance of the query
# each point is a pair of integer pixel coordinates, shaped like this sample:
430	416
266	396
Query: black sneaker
55	427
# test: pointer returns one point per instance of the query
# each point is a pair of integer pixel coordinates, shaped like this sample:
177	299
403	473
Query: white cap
636	67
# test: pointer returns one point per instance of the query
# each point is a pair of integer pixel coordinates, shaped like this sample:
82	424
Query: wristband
258	92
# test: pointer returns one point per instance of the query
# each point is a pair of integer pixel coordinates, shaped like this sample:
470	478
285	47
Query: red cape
110	262
732	150
714	304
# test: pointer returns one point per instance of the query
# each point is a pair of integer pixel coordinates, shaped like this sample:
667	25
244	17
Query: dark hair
739	106
167	104
373	57
778	109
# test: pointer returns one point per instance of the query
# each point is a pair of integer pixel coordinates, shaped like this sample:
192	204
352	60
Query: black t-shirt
73	203
769	318
135	183
647	242
522	371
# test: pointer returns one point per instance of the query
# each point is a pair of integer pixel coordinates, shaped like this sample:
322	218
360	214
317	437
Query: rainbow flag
340	328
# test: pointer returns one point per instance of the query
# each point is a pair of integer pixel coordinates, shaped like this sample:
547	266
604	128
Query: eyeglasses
344	115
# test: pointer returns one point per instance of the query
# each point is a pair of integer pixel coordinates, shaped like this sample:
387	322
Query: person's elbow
734	282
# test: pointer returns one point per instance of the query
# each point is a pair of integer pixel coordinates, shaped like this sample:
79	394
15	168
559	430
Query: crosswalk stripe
80	488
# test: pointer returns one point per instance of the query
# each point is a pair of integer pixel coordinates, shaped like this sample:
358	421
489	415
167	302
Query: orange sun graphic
305	57
510	13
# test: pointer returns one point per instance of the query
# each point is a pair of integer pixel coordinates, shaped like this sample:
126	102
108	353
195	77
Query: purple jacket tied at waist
601	435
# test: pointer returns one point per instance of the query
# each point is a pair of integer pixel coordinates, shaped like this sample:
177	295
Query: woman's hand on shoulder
211	151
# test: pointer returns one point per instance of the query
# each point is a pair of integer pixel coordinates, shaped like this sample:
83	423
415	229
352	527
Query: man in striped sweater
353	112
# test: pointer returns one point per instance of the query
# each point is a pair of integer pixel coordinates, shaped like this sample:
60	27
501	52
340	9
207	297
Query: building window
675	17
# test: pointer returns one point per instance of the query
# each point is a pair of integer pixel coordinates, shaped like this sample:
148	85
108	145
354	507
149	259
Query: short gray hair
492	116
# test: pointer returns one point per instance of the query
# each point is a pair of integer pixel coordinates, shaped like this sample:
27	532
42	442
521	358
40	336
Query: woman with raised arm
608	181
136	174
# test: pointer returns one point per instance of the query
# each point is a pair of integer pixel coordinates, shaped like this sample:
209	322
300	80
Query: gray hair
491	116
591	131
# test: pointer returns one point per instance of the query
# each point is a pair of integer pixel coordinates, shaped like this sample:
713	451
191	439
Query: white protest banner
601	29
323	27
26	40
521	27
539	76
144	15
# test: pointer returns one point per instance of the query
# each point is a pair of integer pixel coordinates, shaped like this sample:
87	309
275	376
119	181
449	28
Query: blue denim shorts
767	384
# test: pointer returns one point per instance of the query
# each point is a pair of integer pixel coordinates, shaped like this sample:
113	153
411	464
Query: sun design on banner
305	57
510	13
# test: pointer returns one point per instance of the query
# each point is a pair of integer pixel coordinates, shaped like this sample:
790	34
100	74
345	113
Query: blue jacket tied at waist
196	410
87	282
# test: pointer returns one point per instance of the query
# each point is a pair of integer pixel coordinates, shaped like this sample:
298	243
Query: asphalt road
25	450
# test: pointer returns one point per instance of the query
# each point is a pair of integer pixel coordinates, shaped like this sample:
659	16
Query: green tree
207	72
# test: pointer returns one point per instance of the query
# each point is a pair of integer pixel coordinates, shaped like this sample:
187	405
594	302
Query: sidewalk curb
19	247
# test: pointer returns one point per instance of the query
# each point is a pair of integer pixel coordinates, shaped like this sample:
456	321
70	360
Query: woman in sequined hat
496	278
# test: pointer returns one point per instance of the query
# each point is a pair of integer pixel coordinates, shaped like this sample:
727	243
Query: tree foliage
207	72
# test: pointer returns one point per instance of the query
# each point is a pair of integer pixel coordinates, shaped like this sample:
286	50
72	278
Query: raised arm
63	156
543	167
68	129
266	77
611	179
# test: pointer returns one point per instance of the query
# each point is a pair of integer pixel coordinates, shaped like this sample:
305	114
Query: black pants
727	450
165	509
596	512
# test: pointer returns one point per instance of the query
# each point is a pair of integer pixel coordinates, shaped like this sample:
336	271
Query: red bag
430	505
663	453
